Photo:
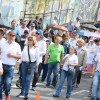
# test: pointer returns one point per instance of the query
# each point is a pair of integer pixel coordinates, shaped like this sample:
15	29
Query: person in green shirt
56	52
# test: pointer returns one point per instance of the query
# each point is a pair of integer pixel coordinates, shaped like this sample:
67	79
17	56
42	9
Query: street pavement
80	93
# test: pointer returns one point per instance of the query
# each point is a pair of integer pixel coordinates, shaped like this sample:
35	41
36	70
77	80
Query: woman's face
30	41
71	51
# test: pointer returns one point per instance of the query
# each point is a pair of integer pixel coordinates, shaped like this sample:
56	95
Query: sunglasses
30	40
23	24
37	33
12	35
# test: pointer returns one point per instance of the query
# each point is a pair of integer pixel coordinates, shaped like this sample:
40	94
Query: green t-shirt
55	53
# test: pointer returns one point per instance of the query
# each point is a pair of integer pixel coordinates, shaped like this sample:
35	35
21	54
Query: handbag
29	70
70	71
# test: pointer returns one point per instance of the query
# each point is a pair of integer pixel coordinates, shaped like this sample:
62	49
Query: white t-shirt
73	43
30	32
90	53
42	48
21	31
54	22
97	58
73	59
6	48
77	24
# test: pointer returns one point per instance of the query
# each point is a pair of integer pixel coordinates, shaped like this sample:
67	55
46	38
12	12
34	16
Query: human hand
93	72
69	64
9	55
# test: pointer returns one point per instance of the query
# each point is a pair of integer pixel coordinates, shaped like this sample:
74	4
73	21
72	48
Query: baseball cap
40	32
77	18
33	24
26	31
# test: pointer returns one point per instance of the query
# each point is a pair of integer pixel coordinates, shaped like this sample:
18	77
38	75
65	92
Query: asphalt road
80	93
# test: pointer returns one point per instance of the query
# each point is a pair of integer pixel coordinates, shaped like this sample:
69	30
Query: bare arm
62	57
10	55
1	71
46	57
94	67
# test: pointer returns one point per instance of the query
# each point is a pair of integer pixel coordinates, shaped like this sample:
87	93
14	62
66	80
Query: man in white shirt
77	23
23	28
10	51
42	49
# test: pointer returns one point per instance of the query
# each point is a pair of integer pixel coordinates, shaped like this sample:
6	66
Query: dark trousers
77	76
45	70
35	78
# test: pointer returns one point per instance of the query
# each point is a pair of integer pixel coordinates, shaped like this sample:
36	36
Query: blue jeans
65	74
45	70
96	82
26	78
55	68
6	80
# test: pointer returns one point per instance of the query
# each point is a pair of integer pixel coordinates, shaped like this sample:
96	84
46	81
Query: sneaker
33	88
67	96
7	97
55	95
46	86
18	85
26	97
77	86
21	95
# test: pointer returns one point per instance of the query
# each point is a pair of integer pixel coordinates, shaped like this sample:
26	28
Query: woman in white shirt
70	61
34	57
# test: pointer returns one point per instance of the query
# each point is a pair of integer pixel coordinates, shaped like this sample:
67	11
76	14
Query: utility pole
25	8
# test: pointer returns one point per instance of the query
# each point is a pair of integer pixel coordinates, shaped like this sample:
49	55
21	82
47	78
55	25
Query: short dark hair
41	19
2	32
48	41
97	40
36	17
64	36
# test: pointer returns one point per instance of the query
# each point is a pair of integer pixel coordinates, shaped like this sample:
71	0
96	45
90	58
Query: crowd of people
37	51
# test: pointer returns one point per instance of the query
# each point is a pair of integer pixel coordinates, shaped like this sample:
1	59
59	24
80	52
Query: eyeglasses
11	35
30	40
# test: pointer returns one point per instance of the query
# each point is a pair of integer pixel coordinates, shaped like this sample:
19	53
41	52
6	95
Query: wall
10	9
64	9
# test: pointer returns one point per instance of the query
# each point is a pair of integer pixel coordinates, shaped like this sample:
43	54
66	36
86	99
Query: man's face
13	24
23	24
57	39
77	20
80	43
97	43
64	39
11	36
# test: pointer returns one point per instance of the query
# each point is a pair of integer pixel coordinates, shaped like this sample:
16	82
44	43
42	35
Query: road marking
80	92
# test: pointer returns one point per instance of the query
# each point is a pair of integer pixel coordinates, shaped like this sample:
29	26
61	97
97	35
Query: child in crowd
44	66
